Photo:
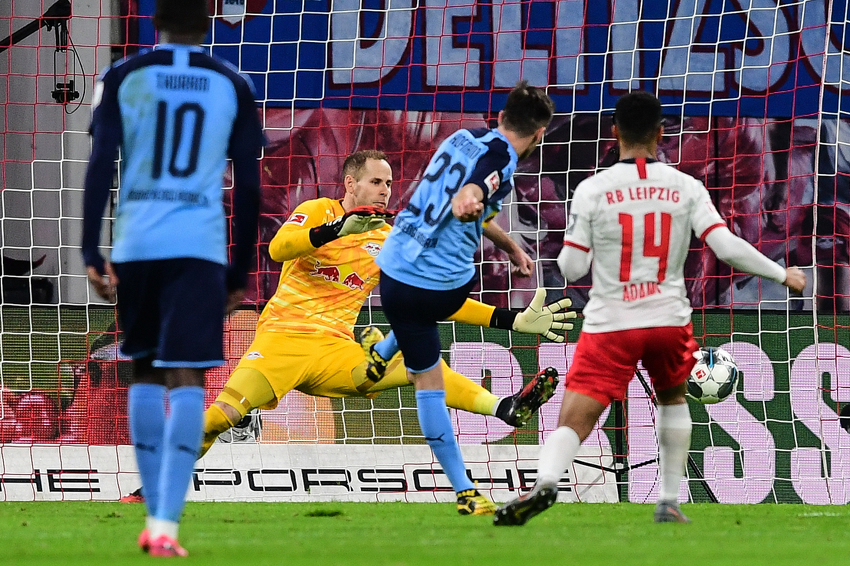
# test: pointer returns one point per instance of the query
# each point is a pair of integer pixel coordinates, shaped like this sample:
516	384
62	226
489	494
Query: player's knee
246	389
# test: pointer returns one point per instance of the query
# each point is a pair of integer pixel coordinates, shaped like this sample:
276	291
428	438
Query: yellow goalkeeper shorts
326	366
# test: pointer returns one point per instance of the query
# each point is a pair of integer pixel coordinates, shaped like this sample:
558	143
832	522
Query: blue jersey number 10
187	111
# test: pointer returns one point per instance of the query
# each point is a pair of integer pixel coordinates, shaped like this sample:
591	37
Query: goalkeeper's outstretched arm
537	318
521	262
294	240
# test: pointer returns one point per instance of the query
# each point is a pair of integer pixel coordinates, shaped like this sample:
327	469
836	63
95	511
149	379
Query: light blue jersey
428	247
181	114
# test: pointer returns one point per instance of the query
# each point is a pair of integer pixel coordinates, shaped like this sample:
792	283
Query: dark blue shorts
172	310
413	314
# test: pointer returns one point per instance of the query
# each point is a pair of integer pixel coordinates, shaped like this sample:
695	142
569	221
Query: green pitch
315	534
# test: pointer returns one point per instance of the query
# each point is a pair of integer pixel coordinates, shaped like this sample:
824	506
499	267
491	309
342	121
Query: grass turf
66	533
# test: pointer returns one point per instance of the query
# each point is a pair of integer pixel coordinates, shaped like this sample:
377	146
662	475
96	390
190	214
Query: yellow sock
463	394
396	376
215	422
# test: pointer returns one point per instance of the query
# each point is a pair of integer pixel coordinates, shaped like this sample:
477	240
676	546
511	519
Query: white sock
159	527
556	455
673	426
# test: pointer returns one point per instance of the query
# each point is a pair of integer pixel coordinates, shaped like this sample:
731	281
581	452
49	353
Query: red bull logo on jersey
354	281
326	272
331	273
372	248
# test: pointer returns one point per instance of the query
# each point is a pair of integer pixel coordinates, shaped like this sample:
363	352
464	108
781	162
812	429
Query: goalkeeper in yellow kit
305	337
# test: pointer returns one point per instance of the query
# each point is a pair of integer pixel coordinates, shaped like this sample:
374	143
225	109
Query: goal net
752	92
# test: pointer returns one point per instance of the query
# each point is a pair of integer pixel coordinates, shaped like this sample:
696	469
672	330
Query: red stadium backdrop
755	108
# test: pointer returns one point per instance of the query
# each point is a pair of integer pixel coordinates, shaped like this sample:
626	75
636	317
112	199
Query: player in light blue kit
427	267
177	114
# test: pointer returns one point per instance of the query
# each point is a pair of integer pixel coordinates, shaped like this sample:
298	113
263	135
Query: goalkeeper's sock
439	434
502	407
183	431
462	393
388	347
146	412
673	426
556	455
215	422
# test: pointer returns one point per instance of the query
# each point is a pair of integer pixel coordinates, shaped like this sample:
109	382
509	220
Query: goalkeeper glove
356	221
545	320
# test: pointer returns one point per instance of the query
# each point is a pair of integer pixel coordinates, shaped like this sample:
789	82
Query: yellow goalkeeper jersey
321	290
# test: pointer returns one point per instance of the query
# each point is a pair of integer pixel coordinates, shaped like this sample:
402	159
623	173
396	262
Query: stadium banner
780	438
296	473
745	58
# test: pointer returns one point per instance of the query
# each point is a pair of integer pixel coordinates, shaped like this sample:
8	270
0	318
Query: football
714	377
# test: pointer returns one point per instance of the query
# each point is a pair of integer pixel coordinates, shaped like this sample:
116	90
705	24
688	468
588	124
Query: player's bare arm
234	299
795	279
521	262
104	284
467	204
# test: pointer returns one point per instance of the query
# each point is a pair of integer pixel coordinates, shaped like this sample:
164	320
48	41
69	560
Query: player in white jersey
633	223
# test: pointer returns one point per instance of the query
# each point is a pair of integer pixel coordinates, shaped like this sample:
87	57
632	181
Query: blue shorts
172	310
413	314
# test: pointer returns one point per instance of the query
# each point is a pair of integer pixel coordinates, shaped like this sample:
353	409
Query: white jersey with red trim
636	218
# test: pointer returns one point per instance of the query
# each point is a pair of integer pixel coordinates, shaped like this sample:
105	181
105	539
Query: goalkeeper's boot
135	497
669	512
517	409
376	365
165	546
145	540
246	430
472	502
520	510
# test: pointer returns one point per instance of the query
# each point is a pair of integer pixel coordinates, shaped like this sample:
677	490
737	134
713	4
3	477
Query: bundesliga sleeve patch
298	218
493	182
97	96
571	224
